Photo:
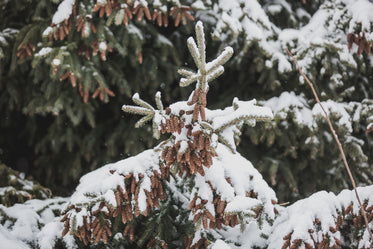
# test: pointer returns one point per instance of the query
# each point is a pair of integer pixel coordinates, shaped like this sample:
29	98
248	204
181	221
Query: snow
102	2
161	39
299	217
10	241
339	109
47	31
56	62
102	46
325	31
49	233
290	102
242	204
274	9
219	244
44	51
244	109
144	163
22	226
132	29
8	33
243	176
198	5
63	12
361	11
234	17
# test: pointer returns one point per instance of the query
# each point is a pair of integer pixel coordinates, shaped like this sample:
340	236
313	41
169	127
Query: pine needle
338	142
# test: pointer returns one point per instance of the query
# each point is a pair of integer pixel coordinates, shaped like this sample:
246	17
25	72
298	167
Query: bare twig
338	142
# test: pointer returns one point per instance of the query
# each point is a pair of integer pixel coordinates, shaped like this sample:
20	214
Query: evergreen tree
90	45
57	79
193	190
332	42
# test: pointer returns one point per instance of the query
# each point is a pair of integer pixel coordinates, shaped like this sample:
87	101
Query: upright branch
338	142
189	152
188	122
206	71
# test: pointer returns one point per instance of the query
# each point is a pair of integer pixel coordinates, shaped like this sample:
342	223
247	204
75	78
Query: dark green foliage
48	123
14	189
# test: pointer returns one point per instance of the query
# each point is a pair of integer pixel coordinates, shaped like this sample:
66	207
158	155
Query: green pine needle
158	101
137	110
143	120
192	46
156	132
185	72
187	81
200	35
237	120
140	102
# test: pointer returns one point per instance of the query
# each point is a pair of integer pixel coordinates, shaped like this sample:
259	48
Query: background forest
67	67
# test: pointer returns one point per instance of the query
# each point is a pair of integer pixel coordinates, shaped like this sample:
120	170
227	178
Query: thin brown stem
338	142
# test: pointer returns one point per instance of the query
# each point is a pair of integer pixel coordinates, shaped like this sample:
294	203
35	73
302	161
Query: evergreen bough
193	190
192	156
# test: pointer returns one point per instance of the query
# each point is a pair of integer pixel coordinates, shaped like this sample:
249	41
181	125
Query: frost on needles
196	171
193	190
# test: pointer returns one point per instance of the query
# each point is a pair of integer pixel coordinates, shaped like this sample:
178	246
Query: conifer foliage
67	66
195	153
193	190
64	56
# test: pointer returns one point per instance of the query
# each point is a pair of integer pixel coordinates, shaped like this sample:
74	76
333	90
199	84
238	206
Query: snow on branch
147	110
320	220
206	72
220	194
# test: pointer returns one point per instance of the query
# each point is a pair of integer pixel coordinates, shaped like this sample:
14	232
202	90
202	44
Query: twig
338	142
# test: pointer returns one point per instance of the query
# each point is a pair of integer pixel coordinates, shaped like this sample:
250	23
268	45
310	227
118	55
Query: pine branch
158	101
143	120
193	49
338	143
205	73
140	102
226	143
185	72
239	119
200	35
137	110
147	110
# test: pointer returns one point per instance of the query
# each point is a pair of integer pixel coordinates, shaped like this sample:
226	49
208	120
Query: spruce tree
62	64
332	42
193	190
189	173
46	121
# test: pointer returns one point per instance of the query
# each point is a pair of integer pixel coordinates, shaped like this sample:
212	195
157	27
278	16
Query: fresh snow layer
243	177
299	217
102	183
289	102
25	221
219	244
8	240
63	12
331	106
